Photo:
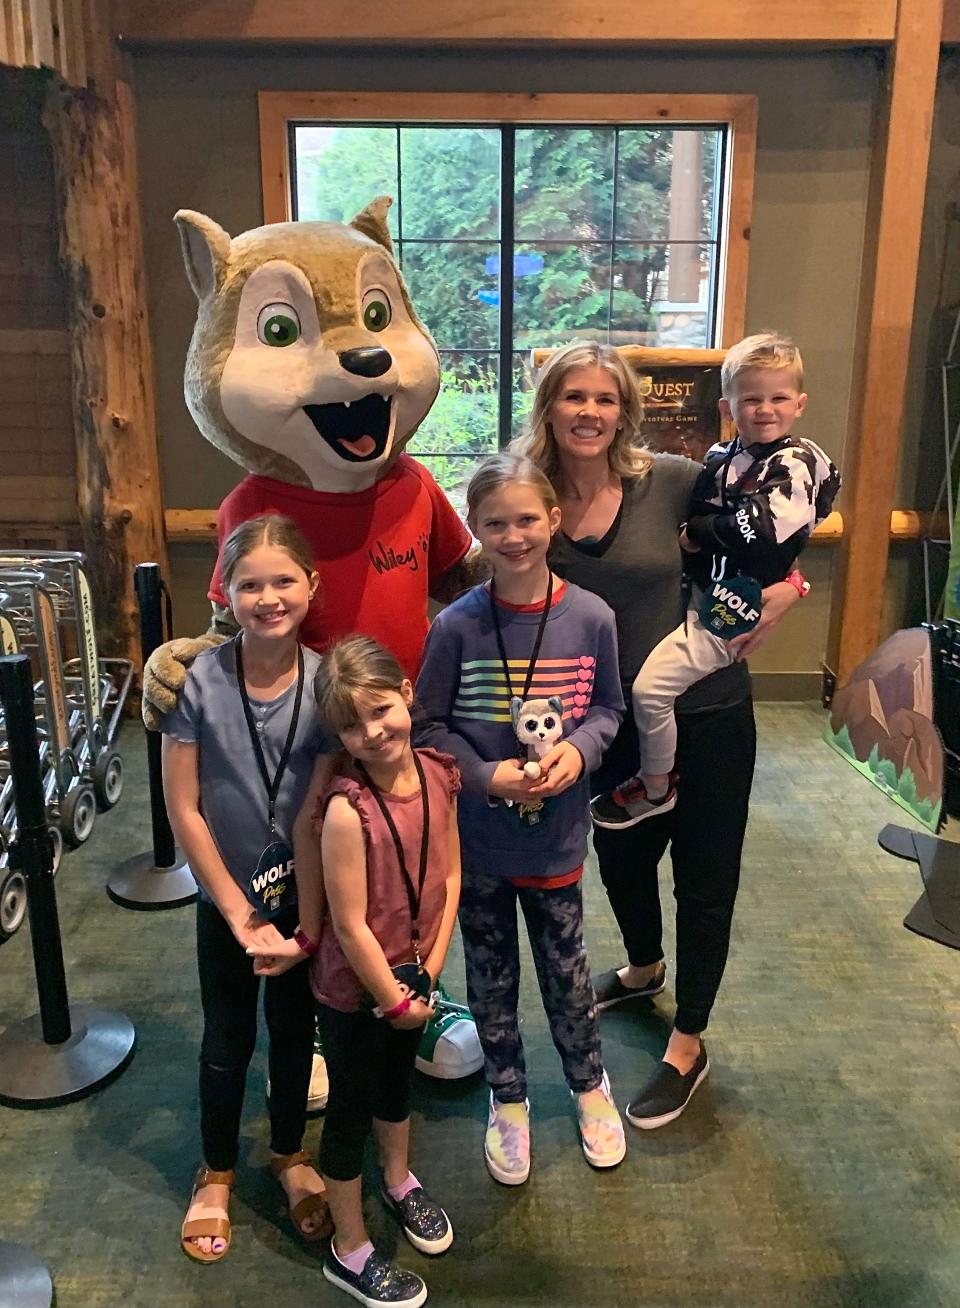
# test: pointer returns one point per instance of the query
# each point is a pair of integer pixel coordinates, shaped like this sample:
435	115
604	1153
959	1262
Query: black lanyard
718	568
738	448
414	894
531	666
272	787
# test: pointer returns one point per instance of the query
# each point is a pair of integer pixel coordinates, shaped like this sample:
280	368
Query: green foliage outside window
581	269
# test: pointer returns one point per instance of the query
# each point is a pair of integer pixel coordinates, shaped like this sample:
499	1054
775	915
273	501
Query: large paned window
515	235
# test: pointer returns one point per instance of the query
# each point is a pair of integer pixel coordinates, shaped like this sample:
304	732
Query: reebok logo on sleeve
742	519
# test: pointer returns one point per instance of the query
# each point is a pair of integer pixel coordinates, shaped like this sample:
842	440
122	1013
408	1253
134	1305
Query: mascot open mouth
357	431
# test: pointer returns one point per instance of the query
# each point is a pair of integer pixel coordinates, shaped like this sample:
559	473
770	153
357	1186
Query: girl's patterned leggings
554	918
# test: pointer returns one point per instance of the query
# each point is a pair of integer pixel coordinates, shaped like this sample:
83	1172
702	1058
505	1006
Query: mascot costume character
309	367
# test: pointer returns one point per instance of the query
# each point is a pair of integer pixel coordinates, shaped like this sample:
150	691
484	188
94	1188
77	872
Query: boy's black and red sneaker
629	803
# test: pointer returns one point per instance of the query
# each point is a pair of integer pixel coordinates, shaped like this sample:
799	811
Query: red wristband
799	582
308	946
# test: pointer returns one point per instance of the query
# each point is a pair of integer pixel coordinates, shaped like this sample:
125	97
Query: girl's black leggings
370	1065
229	994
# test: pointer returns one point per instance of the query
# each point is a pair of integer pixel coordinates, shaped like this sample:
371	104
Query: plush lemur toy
539	725
309	367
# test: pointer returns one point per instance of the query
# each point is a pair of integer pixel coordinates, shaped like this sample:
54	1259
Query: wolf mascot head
309	367
308	363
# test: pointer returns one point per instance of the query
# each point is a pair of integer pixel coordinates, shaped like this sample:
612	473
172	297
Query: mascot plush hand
310	368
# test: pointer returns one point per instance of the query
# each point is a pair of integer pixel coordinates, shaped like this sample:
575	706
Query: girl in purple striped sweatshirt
520	683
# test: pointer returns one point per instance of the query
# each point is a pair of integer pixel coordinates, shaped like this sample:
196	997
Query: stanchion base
24	1280
34	1074
139	883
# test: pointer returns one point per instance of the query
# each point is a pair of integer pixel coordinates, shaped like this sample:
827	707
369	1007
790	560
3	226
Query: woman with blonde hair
622	510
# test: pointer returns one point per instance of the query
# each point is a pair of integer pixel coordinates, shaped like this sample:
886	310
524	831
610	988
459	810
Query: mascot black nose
369	362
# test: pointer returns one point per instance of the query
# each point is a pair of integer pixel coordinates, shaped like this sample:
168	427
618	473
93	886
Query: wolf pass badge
731	608
273	886
415	978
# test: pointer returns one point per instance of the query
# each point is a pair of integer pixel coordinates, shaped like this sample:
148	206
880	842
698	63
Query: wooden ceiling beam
544	22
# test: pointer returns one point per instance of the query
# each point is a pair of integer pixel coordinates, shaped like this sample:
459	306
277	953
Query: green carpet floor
817	1167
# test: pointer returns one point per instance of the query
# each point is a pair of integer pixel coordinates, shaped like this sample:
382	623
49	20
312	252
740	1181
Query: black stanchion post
35	854
159	878
62	1053
146	584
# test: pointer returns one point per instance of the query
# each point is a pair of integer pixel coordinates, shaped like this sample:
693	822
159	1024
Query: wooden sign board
681	390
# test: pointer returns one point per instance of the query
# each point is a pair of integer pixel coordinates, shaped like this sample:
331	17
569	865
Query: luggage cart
17	599
96	687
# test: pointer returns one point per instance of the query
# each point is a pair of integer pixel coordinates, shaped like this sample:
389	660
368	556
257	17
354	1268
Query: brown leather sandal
216	1228
311	1205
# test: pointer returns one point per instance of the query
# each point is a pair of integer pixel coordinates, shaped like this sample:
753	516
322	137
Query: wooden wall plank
18	42
901	156
41	17
546	22
72	54
46	34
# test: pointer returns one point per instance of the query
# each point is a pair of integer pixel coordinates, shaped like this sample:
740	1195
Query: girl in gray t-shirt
238	752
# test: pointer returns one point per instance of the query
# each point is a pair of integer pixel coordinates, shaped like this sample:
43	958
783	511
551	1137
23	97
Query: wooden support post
888	288
101	249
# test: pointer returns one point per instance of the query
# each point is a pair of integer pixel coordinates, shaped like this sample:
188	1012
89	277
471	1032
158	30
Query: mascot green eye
278	325
376	311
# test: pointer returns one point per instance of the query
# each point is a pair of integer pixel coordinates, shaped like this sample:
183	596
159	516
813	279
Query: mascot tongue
355	431
364	446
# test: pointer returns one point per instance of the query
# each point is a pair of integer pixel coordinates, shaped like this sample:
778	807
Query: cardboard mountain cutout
881	722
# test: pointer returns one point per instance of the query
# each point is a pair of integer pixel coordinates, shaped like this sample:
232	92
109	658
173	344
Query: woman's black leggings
716	751
229	994
370	1065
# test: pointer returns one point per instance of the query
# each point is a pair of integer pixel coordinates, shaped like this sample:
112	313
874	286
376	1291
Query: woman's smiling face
586	413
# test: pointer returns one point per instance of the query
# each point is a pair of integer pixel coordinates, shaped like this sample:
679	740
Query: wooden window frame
736	113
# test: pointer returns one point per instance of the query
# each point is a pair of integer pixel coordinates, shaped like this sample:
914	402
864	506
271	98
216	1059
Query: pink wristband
397	1011
799	582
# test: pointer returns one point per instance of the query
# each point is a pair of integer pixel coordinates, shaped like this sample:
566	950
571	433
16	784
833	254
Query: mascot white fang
309	367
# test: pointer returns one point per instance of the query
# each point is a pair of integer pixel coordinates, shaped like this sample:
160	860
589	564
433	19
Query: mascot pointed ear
205	247
516	704
372	221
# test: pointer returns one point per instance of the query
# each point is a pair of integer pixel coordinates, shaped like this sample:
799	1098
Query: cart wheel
77	815
108	779
56	839
13	903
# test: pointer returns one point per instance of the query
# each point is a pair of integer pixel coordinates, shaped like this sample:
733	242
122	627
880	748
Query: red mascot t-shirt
377	551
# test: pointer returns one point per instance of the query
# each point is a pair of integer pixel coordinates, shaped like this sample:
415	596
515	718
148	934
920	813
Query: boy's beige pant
688	654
